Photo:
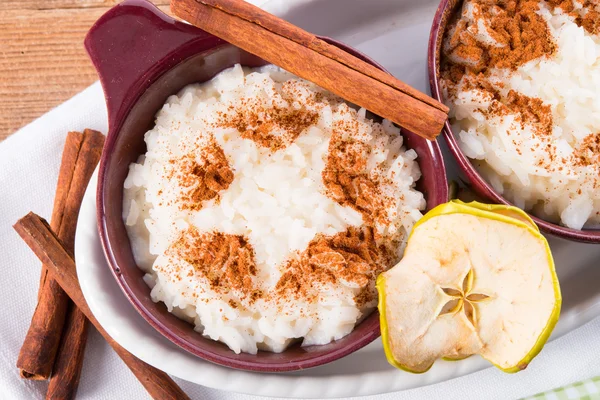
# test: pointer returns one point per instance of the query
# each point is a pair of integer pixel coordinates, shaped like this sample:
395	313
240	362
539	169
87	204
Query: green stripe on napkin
584	390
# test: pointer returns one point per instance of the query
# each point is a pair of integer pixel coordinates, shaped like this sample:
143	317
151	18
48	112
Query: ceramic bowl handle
130	45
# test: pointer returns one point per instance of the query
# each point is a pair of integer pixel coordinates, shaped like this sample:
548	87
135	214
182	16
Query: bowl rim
116	120
476	180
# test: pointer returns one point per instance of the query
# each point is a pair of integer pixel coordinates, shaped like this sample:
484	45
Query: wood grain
54	4
42	59
37	234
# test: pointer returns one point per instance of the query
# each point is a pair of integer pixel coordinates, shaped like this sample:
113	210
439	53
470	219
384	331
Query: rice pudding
522	80
265	207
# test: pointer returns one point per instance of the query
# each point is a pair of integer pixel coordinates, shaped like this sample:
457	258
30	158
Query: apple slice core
474	279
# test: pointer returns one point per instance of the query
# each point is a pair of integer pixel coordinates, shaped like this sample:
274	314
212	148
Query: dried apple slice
474	279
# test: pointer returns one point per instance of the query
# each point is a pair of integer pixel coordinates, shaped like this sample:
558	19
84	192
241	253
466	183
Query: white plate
395	33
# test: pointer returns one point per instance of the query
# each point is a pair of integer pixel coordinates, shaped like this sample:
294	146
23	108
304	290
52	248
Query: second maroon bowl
142	57
445	11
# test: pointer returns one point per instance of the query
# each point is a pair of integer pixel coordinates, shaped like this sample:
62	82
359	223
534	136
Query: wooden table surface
42	59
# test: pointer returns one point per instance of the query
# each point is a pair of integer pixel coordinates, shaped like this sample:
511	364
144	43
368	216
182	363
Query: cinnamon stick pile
55	343
40	354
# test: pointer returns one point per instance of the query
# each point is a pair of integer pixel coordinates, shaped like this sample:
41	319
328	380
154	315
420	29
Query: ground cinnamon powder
590	22
225	261
586	16
352	256
518	35
528	111
347	180
273	126
260	124
203	181
588	152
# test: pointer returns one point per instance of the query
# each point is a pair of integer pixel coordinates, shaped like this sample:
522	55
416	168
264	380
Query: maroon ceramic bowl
445	10
142	57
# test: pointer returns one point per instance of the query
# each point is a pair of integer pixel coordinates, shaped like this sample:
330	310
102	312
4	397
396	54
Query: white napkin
29	168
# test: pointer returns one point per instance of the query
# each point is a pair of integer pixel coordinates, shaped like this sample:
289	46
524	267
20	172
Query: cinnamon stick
39	350
65	177
47	247
311	58
66	372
